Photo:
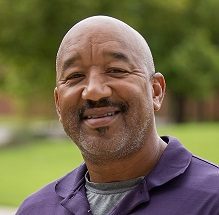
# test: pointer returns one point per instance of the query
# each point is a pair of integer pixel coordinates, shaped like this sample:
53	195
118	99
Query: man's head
107	89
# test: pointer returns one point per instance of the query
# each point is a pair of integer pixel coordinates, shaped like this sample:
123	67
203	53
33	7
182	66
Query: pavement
7	211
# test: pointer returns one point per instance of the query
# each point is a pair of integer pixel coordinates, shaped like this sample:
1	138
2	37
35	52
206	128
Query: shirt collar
71	182
173	162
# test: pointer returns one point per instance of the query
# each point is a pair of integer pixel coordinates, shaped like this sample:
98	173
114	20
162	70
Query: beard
106	144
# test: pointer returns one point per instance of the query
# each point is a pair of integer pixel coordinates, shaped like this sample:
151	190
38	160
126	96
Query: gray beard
101	149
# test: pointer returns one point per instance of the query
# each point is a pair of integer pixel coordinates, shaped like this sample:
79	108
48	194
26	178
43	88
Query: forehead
94	41
94	36
97	31
94	55
95	46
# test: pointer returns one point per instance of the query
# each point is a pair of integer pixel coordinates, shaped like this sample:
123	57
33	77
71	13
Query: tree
183	36
195	63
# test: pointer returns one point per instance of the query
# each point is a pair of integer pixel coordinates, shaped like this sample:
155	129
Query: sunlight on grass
200	139
26	168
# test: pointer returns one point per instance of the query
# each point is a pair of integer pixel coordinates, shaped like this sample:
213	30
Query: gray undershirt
103	197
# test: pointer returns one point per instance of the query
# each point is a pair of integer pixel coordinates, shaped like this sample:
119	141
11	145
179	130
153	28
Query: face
104	95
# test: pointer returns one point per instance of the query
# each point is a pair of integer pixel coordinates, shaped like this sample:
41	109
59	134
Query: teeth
105	115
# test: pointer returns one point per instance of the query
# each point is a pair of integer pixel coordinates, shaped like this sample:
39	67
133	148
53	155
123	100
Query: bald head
93	28
105	93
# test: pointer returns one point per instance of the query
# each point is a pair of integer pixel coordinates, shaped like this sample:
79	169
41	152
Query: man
106	95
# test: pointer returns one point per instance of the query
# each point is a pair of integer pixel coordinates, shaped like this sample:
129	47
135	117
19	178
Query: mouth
100	117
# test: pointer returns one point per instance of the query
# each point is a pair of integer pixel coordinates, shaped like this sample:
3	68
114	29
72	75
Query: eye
75	75
73	78
117	72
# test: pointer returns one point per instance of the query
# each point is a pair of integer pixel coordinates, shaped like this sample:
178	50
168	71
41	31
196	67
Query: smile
100	117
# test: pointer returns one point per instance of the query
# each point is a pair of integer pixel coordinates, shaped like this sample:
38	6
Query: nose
96	88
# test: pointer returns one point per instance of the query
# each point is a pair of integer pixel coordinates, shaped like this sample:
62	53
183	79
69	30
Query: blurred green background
184	39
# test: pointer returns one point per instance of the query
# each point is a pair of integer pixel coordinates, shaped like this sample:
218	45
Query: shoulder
201	183
205	172
37	200
203	177
47	200
204	168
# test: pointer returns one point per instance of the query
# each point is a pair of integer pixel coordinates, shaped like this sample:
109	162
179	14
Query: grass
25	168
201	139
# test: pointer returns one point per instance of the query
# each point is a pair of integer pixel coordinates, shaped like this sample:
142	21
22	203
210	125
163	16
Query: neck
136	165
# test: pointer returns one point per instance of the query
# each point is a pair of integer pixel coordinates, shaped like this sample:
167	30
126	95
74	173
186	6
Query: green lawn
26	168
201	139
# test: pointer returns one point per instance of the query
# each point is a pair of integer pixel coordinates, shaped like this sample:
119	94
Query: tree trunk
179	108
200	110
216	108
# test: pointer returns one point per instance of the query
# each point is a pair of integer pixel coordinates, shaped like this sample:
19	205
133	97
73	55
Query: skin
106	96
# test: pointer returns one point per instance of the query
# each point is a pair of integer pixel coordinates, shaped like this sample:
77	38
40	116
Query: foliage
183	35
194	62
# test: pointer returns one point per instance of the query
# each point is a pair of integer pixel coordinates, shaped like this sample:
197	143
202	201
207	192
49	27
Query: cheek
139	97
133	89
69	97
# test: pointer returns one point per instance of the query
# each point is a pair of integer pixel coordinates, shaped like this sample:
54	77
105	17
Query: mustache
104	102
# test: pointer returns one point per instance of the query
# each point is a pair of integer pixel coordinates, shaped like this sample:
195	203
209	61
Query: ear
159	87
57	103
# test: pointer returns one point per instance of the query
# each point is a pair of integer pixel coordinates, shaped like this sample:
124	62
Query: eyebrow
70	62
117	55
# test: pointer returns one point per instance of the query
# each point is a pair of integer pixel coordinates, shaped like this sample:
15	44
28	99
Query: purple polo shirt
180	184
